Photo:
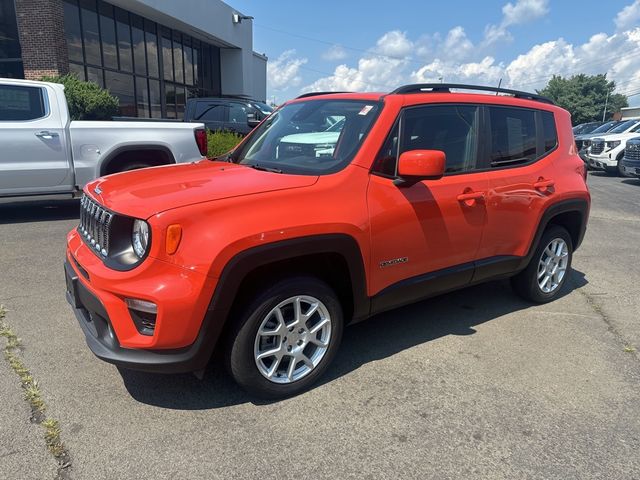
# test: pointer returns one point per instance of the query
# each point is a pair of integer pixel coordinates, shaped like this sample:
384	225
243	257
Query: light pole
606	101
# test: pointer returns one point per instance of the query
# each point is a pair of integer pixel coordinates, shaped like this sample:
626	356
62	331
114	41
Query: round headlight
140	237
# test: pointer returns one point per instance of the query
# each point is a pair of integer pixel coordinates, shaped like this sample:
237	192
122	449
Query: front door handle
46	134
543	185
469	197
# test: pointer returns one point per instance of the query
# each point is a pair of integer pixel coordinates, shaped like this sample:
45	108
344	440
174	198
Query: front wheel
547	271
286	339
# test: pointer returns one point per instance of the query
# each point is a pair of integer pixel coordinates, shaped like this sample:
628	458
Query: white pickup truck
44	153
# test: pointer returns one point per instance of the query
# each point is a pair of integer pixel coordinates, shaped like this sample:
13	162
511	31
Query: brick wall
41	28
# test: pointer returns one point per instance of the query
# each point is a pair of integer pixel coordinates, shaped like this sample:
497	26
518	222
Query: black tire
611	171
240	359
127	167
525	283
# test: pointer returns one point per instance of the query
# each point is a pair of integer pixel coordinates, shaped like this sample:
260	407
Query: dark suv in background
238	115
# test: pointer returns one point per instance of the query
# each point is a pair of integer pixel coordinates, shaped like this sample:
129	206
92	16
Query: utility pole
606	101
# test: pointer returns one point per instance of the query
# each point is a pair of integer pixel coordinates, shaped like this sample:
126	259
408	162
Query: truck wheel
133	166
547	271
286	338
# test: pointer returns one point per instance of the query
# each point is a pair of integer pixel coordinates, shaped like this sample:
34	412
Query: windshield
605	127
588	128
263	107
624	126
313	137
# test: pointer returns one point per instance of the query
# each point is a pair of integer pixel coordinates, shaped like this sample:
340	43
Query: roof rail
446	88
315	94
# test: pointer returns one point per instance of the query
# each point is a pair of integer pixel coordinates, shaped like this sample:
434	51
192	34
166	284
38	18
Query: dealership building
151	54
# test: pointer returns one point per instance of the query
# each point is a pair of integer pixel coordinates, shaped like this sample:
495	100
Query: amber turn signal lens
174	235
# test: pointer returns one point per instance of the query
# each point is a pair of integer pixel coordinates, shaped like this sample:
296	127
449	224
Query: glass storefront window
9	42
142	97
72	32
155	98
77	70
121	85
124	40
108	33
152	69
167	59
152	48
137	38
90	32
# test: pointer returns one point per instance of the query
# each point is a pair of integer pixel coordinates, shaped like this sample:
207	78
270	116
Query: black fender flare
243	263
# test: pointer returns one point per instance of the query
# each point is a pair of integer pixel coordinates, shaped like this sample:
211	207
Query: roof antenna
499	83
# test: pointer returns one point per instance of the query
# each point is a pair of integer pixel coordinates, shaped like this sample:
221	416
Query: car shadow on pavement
631	181
39	211
382	336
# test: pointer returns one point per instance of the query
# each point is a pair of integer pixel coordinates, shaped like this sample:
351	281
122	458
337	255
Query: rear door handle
543	184
469	197
46	134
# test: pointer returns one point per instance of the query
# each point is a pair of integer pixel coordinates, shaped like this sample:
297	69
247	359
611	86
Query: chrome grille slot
632	152
597	147
95	223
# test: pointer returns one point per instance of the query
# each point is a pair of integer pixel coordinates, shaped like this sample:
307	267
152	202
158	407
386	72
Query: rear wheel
547	271
286	338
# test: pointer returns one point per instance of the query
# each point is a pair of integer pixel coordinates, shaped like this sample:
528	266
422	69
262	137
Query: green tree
584	96
86	100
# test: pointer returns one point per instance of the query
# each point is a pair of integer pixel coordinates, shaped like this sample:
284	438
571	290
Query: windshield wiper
262	168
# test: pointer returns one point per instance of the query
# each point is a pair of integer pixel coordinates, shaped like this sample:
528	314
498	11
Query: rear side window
18	103
513	136
209	112
550	133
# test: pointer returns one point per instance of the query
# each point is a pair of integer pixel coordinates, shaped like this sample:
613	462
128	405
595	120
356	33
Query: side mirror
252	121
416	165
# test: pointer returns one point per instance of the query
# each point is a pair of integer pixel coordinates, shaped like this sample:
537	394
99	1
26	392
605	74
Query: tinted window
237	113
121	85
124	40
386	161
108	32
9	44
91	33
72	31
513	136
452	129
155	98
137	36
550	134
152	48
209	112
21	103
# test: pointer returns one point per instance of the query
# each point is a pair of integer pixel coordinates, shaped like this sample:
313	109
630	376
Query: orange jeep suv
336	207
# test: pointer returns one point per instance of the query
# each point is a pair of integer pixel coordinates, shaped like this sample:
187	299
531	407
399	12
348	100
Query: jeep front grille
597	147
95	222
632	152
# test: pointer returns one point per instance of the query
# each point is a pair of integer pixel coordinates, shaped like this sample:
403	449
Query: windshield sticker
366	109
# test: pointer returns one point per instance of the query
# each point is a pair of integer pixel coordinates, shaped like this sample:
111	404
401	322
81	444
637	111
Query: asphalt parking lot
474	384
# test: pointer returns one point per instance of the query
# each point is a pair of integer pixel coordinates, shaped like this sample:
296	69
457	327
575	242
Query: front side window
19	103
237	113
295	139
452	129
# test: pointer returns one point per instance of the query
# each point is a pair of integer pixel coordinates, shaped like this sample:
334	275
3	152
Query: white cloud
335	52
523	11
396	59
283	72
629	16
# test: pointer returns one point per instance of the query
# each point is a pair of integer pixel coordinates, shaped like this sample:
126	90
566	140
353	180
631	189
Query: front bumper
605	160
102	341
181	341
631	167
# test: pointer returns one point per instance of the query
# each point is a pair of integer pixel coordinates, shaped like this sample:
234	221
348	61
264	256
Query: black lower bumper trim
102	341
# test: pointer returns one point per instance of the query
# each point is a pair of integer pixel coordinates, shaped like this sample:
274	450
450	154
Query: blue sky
375	45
